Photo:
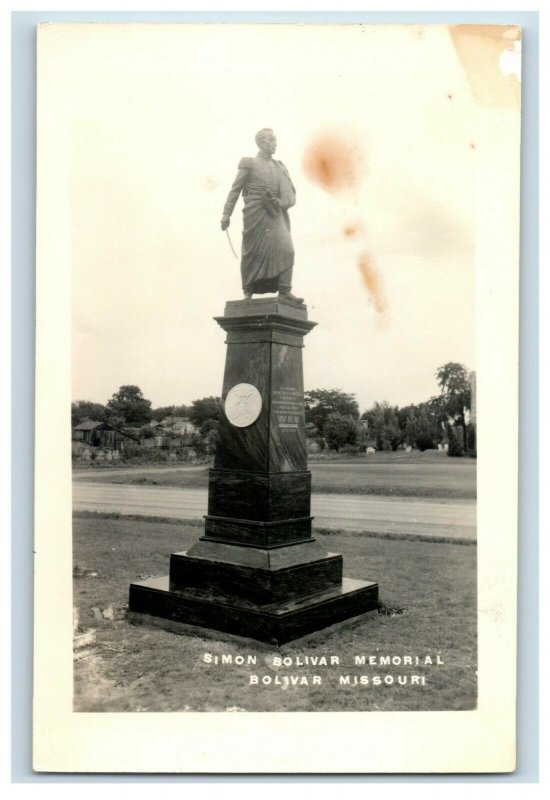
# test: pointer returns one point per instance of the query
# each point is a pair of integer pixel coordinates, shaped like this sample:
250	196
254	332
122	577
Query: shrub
131	450
424	442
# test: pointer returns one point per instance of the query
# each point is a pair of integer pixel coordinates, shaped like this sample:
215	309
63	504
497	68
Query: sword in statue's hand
225	226
231	244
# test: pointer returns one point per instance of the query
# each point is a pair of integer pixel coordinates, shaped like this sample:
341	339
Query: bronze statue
267	252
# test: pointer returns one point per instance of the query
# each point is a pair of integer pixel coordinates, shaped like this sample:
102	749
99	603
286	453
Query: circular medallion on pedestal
243	405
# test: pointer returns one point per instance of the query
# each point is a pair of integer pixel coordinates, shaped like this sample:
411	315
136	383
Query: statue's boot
289	296
248	295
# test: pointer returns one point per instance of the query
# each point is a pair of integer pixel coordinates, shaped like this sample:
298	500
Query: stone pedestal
258	571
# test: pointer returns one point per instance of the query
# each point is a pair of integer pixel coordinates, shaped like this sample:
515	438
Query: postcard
276	409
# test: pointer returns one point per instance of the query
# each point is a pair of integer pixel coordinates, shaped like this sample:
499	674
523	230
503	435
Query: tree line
333	417
128	408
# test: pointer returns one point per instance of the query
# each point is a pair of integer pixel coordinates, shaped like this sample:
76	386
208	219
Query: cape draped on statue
267	248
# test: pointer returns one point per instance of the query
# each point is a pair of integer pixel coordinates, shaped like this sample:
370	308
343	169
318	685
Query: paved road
453	518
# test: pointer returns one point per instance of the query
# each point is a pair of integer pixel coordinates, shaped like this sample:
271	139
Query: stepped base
275	623
264	576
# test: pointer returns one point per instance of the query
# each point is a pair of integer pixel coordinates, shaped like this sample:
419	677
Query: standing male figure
267	255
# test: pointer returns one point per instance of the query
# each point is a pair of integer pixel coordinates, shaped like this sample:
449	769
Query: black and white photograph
277	289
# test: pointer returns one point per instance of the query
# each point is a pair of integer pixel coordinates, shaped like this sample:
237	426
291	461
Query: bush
424	442
131	450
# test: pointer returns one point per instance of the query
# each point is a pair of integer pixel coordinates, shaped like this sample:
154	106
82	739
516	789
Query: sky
158	119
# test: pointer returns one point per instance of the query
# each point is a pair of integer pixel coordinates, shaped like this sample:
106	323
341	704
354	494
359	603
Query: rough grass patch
136	668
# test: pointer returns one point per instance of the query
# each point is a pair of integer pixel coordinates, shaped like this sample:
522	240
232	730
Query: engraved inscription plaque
243	405
288	404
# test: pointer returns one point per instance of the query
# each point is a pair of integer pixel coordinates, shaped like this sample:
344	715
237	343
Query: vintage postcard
276	411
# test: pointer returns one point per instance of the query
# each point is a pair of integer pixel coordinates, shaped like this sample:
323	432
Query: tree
340	430
85	409
456	394
419	422
321	403
158	414
130	405
209	434
209	427
383	425
205	410
455	448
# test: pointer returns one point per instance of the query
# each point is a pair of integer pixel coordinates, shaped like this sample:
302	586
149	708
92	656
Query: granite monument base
274	623
258	571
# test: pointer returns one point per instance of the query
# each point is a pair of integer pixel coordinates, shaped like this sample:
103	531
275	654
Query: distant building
100	434
172	433
181	426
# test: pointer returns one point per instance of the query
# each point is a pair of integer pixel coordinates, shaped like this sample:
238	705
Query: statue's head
266	141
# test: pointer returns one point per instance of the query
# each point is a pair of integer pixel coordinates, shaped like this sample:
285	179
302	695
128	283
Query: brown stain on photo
354	229
210	183
337	163
479	49
372	281
334	161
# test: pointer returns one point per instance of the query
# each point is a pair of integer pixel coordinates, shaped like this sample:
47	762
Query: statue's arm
238	185
234	192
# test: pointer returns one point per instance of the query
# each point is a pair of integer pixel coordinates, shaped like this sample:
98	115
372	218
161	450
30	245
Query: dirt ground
428	613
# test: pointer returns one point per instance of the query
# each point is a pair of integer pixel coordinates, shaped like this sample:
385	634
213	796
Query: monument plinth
258	571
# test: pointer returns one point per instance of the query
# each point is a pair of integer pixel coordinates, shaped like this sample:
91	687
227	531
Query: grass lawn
123	667
415	474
